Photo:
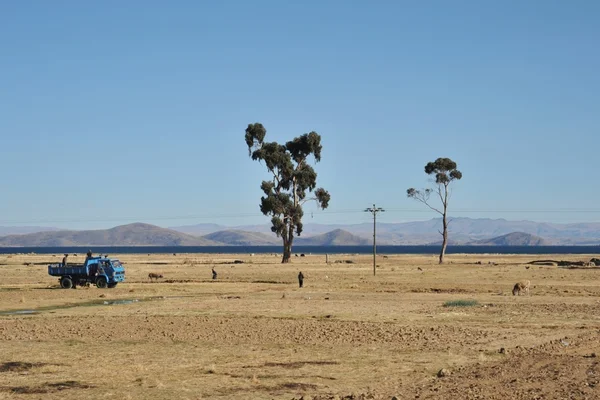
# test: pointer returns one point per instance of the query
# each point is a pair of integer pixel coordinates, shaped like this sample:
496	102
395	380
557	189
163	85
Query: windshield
116	263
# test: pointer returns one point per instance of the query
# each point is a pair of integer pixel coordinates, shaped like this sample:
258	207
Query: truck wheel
101	283
66	283
112	285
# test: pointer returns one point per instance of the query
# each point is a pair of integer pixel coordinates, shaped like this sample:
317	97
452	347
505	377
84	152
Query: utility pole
374	211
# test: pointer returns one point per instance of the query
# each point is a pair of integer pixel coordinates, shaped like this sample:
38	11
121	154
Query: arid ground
253	334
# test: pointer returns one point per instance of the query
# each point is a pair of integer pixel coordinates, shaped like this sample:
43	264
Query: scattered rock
443	372
102	296
502	350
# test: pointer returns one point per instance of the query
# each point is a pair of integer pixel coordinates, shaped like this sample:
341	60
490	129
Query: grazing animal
153	275
522	286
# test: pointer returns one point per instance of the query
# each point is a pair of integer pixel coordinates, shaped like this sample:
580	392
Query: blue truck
100	271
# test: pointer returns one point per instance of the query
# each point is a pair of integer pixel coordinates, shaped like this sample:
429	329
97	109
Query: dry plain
253	334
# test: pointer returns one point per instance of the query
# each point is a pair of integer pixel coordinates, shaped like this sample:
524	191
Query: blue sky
113	112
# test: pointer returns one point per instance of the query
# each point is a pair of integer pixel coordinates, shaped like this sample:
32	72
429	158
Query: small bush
461	303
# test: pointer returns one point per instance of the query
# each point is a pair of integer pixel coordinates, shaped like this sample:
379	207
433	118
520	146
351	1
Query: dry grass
190	337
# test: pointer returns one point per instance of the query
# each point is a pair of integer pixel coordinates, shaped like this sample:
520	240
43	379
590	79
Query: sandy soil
253	334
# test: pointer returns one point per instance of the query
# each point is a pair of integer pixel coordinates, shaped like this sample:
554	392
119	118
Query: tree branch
439	192
306	200
423	199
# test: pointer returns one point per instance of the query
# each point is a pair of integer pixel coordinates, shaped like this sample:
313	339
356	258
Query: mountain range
137	234
463	231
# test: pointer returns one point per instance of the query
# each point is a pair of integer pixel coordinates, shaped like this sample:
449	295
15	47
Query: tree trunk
444	238
287	247
287	252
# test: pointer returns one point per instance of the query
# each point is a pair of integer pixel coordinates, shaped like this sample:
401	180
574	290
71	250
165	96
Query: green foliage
461	303
444	169
293	179
445	172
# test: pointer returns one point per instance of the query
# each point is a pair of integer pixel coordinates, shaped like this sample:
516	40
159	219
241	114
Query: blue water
307	250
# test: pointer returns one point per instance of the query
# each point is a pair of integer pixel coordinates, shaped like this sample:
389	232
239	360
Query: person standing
87	257
64	260
214	273
300	279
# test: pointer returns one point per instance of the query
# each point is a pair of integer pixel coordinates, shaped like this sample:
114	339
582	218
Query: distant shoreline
592	249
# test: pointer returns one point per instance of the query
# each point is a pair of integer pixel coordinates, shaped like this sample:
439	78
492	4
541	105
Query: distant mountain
22	230
137	234
199	229
513	239
242	238
337	237
462	231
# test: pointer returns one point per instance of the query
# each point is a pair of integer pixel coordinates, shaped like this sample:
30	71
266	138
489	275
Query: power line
315	213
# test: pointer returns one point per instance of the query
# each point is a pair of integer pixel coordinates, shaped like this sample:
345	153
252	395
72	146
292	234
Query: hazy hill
337	237
462	230
137	234
22	230
201	229
242	238
513	239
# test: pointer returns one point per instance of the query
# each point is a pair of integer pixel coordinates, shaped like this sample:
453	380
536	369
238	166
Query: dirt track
254	334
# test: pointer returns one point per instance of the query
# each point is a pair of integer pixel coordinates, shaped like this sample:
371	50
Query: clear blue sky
113	112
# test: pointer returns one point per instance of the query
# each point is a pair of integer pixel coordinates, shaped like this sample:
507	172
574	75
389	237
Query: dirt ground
253	334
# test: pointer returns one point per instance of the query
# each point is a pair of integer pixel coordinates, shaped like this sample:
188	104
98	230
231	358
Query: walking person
300	279
214	273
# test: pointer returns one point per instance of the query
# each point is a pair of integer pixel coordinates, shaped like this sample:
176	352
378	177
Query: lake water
306	250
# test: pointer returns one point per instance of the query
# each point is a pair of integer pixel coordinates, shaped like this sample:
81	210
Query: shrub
461	303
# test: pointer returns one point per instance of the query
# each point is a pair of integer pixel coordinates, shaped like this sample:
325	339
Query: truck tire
66	283
112	285
101	283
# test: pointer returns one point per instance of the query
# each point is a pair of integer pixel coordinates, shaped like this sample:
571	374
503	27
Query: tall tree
445	172
293	179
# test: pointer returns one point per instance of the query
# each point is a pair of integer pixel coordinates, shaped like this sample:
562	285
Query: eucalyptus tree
445	172
293	183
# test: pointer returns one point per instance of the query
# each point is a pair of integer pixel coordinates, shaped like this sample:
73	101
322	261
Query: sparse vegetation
461	303
205	339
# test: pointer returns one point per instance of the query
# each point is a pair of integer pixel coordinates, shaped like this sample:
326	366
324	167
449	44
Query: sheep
153	275
521	286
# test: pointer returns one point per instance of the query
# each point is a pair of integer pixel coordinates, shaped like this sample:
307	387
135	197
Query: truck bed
59	270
